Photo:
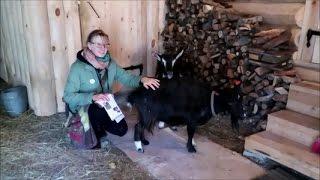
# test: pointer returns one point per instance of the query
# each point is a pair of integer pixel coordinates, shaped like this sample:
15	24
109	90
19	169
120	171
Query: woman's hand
91	58
150	82
100	98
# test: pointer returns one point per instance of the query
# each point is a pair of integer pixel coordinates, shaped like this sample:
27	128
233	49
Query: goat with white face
166	66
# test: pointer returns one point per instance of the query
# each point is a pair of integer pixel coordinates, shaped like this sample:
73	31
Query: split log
264	36
285	37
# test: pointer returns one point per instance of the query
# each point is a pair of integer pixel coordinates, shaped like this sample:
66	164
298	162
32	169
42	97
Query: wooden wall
38	43
132	26
40	39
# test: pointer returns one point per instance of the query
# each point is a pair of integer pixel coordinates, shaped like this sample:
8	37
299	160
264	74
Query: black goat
181	101
169	67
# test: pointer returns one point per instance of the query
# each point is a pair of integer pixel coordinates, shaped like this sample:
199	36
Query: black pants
101	122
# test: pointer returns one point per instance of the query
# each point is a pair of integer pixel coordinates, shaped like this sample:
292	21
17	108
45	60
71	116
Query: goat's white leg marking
161	124
194	142
138	146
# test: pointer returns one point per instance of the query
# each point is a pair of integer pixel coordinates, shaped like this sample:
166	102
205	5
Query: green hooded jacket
83	81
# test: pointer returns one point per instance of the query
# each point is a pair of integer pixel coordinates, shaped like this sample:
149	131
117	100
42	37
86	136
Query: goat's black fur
180	101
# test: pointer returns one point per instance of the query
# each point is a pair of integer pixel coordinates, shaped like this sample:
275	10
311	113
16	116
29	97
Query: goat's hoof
145	142
140	150
174	128
191	149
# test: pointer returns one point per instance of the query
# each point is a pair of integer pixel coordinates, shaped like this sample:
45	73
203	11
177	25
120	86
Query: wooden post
59	48
37	32
72	30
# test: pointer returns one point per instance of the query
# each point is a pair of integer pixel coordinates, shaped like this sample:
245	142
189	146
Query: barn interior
271	47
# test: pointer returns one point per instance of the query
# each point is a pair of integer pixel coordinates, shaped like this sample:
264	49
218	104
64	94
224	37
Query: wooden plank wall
132	26
39	41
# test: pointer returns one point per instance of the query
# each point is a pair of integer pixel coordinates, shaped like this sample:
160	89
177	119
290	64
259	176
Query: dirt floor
37	147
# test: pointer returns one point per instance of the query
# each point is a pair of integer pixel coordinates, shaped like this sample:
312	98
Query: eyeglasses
99	45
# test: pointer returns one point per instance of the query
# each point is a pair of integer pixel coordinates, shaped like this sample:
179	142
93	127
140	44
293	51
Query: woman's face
99	45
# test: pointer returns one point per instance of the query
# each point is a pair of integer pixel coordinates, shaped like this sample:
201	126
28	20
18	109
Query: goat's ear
158	57
179	55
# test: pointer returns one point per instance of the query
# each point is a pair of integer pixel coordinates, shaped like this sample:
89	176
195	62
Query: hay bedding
37	148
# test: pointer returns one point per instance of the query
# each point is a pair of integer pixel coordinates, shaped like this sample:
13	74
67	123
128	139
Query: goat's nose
170	75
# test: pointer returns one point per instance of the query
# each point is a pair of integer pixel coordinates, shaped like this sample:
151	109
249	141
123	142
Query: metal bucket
14	100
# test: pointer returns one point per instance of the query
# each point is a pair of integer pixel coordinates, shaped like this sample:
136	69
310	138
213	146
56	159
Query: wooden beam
308	74
273	13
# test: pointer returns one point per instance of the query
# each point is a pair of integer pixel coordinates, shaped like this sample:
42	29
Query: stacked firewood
223	45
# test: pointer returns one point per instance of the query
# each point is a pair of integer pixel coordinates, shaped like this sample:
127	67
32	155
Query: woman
90	80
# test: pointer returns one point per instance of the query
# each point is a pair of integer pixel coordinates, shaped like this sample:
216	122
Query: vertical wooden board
18	47
152	34
24	54
3	67
143	35
89	20
72	30
13	40
5	47
38	43
162	23
56	16
310	21
9	44
121	24
316	51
